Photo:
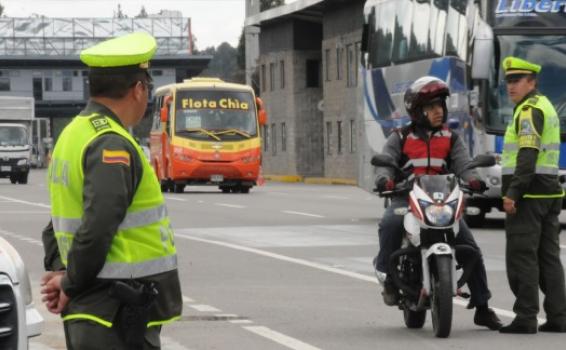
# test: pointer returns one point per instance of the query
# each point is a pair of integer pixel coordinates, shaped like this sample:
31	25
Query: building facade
308	63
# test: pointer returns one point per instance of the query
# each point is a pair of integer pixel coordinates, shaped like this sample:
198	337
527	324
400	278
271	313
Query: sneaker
486	317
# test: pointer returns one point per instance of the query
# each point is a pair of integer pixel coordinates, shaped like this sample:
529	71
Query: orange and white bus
206	132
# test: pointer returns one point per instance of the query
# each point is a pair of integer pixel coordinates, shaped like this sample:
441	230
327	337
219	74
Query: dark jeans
391	232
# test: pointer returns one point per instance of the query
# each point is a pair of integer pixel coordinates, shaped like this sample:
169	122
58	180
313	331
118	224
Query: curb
310	180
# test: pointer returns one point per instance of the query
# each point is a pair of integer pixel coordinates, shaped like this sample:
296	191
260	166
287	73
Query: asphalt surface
287	266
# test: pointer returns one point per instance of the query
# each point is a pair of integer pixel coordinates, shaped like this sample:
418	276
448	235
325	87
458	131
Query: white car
19	319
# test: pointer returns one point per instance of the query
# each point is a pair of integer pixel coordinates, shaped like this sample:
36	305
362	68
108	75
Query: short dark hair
114	86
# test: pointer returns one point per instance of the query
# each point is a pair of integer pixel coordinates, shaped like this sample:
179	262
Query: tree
267	4
143	13
1	10
224	63
119	13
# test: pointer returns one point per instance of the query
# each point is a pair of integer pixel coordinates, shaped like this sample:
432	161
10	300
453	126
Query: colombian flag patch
115	157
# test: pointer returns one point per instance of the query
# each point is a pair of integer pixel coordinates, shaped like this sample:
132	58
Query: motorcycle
424	269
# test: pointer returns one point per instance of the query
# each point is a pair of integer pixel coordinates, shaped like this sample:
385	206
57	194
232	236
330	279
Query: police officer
532	199
109	247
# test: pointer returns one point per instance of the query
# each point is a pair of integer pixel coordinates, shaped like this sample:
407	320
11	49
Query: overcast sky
213	21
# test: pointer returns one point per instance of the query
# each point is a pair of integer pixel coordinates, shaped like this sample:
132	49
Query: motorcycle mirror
484	160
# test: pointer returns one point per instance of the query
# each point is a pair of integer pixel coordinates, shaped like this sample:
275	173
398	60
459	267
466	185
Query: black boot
519	327
390	293
486	317
553	327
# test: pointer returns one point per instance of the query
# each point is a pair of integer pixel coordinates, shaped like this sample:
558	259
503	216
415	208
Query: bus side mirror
261	113
483	52
165	109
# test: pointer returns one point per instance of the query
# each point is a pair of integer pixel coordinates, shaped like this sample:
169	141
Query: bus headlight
439	215
22	162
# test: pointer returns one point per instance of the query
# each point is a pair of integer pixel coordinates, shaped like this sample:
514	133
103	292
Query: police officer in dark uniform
532	200
109	250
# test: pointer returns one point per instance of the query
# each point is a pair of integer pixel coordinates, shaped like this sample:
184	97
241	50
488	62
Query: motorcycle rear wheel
414	319
441	303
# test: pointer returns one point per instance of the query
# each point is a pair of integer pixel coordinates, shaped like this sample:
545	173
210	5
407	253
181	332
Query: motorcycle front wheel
441	303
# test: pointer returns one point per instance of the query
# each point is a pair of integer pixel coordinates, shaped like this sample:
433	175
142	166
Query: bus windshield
548	51
215	115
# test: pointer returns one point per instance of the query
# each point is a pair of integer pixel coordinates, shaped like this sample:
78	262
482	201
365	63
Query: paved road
284	267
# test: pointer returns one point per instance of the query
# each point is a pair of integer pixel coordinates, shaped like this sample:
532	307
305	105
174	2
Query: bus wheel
13	179
245	189
179	188
224	189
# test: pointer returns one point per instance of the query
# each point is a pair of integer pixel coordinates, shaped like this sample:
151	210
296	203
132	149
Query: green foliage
267	4
143	13
224	63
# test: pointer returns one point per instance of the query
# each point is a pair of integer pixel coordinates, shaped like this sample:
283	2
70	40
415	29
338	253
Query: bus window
385	28
402	31
420	46
438	15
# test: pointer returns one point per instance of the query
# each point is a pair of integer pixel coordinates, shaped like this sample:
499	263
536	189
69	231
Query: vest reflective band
143	245
428	158
549	148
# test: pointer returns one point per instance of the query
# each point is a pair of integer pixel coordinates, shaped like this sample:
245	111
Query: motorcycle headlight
22	162
439	215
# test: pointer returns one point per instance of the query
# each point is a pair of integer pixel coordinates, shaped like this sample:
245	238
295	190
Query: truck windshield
13	136
215	115
548	51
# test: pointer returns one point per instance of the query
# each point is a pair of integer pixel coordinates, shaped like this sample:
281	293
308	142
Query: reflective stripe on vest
549	150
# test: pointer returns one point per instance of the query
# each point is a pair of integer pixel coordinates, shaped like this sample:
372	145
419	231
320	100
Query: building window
273	139
328	138
67	80
272	76
339	135
327	64
313	73
283	137
282	73
48	83
339	53
4	84
352	136
157	73
263	72
265	138
351	73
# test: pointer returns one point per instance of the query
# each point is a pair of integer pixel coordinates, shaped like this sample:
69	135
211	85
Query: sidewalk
311	180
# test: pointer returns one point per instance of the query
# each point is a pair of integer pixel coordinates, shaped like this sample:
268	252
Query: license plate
216	178
5	168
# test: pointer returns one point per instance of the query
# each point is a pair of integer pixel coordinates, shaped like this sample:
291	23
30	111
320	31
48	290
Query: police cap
125	54
517	66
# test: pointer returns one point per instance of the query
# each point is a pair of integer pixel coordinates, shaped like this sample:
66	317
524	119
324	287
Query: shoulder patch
99	123
115	157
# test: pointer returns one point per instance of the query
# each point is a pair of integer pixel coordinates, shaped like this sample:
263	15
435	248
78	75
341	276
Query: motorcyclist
427	146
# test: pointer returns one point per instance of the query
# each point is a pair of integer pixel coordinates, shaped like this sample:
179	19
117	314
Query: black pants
391	235
89	335
532	256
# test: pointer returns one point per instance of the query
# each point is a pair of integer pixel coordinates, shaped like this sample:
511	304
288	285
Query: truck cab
15	152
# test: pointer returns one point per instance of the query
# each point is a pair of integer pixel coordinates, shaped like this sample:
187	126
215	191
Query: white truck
19	319
16	119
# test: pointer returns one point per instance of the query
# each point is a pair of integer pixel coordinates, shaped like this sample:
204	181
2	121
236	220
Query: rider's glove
385	184
477	185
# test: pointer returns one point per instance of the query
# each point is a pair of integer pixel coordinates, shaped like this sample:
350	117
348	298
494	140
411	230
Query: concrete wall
342	36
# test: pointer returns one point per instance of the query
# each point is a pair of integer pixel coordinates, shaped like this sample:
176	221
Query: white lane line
563	246
204	308
241	321
301	213
23	212
335	197
187	300
230	205
176	199
25	202
280	338
303	262
359	276
226	315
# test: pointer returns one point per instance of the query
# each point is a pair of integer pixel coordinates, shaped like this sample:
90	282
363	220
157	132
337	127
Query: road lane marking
359	276
25	202
9	212
301	213
204	308
187	300
563	246
20	237
176	199
39	346
280	338
335	197
169	344
230	205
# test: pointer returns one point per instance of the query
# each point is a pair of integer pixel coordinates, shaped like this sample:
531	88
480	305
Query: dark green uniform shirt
516	185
